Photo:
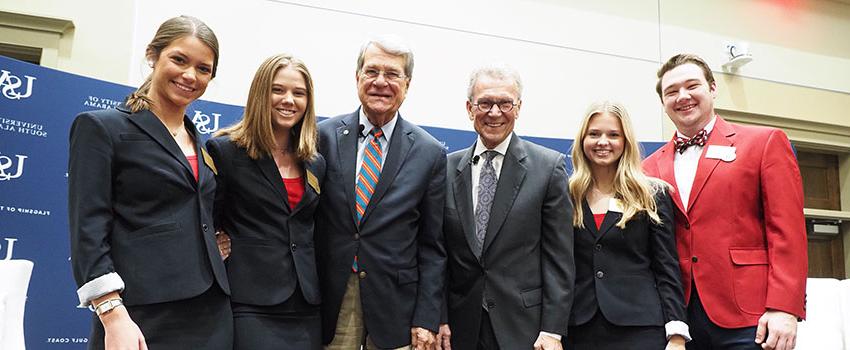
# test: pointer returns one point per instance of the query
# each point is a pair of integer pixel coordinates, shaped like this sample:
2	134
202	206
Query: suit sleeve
785	230
557	259
665	260
220	204
431	248
90	208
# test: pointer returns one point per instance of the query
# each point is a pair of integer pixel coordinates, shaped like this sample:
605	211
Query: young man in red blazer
740	229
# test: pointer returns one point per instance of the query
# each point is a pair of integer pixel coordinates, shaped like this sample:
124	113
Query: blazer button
356	236
204	226
688	225
694	259
597	247
600	274
490	304
362	275
293	246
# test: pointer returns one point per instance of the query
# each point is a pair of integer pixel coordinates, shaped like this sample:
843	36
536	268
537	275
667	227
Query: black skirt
292	325
204	322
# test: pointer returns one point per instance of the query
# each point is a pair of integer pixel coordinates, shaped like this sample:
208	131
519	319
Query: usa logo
10	85
202	122
7	163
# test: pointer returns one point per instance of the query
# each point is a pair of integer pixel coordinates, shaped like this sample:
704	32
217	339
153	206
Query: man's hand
545	342
781	328
444	338
676	342
421	338
222	239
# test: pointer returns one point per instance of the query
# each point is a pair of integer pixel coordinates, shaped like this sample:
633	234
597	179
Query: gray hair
391	44
496	71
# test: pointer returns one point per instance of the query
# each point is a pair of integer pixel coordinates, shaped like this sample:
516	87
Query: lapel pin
345	132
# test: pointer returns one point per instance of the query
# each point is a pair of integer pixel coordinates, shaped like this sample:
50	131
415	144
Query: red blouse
598	218
294	190
193	161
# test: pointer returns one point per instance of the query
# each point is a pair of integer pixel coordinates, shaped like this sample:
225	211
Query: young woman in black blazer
140	203
628	294
269	176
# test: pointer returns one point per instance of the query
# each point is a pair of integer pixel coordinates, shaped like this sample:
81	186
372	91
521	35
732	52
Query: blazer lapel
463	196
150	124
269	169
589	221
612	216
311	189
400	144
668	155
510	178
346	145
721	135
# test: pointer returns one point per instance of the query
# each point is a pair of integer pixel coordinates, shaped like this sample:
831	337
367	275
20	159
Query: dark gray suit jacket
526	274
399	244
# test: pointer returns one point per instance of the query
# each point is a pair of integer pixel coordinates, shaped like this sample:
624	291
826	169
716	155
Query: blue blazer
399	243
135	208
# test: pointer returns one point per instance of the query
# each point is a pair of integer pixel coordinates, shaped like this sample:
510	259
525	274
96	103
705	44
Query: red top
193	162
294	191
598	218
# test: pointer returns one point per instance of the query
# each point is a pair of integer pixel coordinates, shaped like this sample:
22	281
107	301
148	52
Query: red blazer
743	239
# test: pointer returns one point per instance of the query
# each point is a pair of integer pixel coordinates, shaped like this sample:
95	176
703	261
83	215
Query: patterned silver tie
486	192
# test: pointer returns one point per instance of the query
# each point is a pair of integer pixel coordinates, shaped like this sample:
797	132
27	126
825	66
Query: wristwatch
107	306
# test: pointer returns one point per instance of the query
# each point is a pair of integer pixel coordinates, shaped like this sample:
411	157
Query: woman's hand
121	332
676	342
223	241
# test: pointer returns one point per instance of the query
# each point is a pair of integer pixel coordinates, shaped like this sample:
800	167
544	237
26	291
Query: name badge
724	153
208	160
313	182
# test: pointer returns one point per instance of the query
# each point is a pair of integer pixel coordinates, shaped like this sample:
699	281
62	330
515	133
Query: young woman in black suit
140	204
628	294
269	176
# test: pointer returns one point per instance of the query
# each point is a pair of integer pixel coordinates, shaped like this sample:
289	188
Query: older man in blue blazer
379	222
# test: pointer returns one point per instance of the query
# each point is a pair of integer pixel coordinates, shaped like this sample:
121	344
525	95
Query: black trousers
293	325
599	334
708	336
203	322
486	336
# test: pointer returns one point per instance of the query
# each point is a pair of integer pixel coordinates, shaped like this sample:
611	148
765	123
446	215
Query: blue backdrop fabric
37	108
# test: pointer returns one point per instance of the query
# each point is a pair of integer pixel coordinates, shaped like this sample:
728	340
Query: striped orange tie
370	172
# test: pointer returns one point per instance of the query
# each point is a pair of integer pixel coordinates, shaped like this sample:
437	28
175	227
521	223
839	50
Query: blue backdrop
37	107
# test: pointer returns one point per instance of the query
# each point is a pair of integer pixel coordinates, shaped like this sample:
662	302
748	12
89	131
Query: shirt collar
707	127
387	128
501	148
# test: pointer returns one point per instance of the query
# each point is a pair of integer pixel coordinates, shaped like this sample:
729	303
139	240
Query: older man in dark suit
508	228
379	223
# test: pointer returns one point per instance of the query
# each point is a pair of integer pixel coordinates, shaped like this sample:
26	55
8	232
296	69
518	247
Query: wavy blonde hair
254	131
632	187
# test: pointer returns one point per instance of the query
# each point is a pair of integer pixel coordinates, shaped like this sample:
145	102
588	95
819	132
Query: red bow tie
682	143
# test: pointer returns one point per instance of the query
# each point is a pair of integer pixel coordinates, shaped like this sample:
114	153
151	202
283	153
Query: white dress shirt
685	166
364	136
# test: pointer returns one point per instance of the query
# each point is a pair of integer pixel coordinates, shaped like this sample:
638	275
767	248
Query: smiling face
288	98
493	126
603	141
688	98
381	97
181	73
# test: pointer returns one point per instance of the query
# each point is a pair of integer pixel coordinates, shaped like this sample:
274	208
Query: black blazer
631	275
135	208
272	243
399	243
525	274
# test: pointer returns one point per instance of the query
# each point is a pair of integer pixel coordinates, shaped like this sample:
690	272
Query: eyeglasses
487	106
388	75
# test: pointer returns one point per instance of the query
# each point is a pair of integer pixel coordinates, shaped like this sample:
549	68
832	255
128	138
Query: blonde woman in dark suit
269	175
628	290
140	206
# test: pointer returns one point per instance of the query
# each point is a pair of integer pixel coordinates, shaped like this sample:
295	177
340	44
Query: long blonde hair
169	31
254	131
632	188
